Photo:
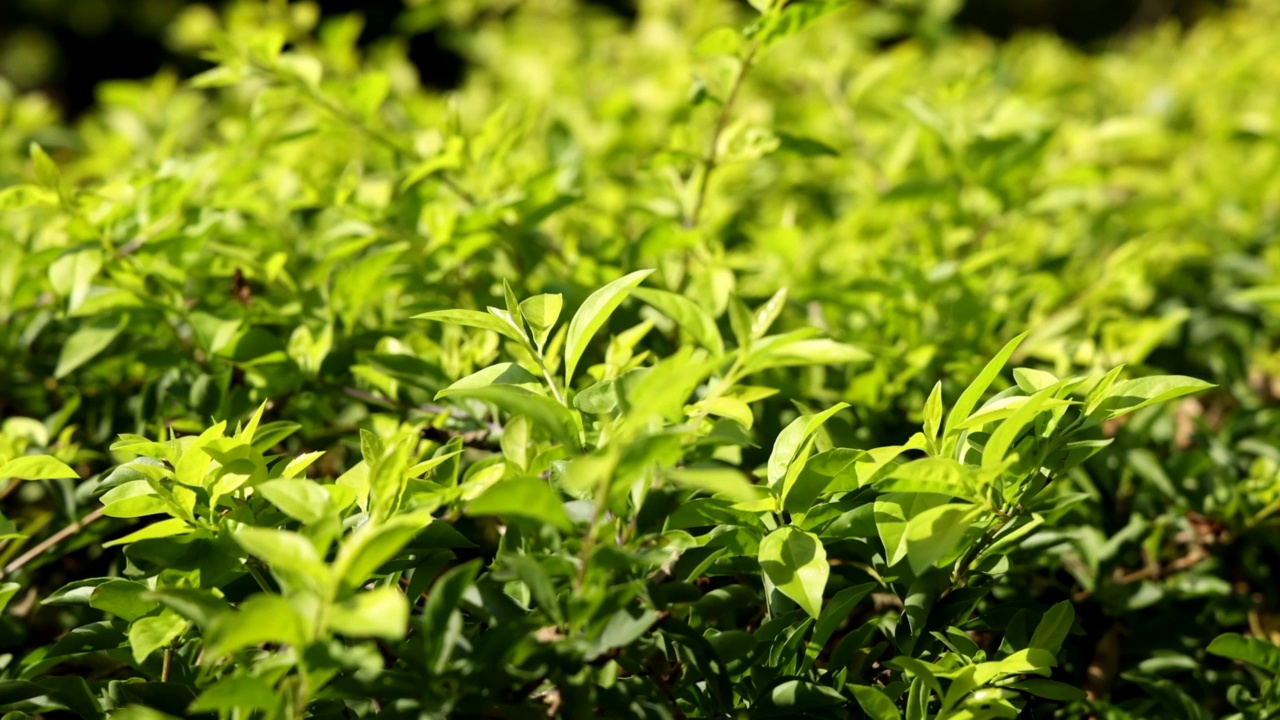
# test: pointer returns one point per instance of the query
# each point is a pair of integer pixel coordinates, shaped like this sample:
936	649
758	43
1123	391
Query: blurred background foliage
66	48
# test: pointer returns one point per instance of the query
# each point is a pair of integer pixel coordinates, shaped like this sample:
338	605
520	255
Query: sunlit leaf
796	562
593	314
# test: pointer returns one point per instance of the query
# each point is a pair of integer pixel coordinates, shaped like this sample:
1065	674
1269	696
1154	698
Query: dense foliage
714	365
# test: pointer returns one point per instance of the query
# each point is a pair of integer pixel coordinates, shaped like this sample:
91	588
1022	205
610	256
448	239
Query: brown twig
167	669
52	540
1104	665
664	686
8	489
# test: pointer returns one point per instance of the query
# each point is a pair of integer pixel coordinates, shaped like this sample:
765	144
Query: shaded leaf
529	498
1256	652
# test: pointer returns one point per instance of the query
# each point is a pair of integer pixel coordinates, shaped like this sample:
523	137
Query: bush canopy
721	364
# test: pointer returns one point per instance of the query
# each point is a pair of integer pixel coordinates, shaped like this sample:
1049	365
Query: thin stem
730	379
551	381
166	671
258	577
52	540
713	152
664	686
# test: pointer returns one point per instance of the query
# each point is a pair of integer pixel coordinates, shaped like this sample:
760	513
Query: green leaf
938	475
796	563
874	464
792	698
1030	660
21	197
789	442
1032	381
163	529
961	685
125	599
874	703
1053	627
291	557
598	399
36	467
696	321
510	320
302	500
86	342
997	447
921	670
47	696
152	633
972	394
731	408
46	169
8	590
664	388
1101	389
515	441
806	147
1132	395
836	612
1006	407
297	465
593	314
529	498
720	41
918	697
273	433
475	319
531	573
373	544
623	627
892	512
72	274
371	447
199	606
815	475
935	534
513	305
542	312
933	414
145	447
260	619
442	603
1051	689
243	693
721	481
545	413
740	322
774	27
382	613
767	313
1256	652
804	352
500	374
444	455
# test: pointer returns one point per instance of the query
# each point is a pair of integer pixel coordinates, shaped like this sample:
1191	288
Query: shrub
771	463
